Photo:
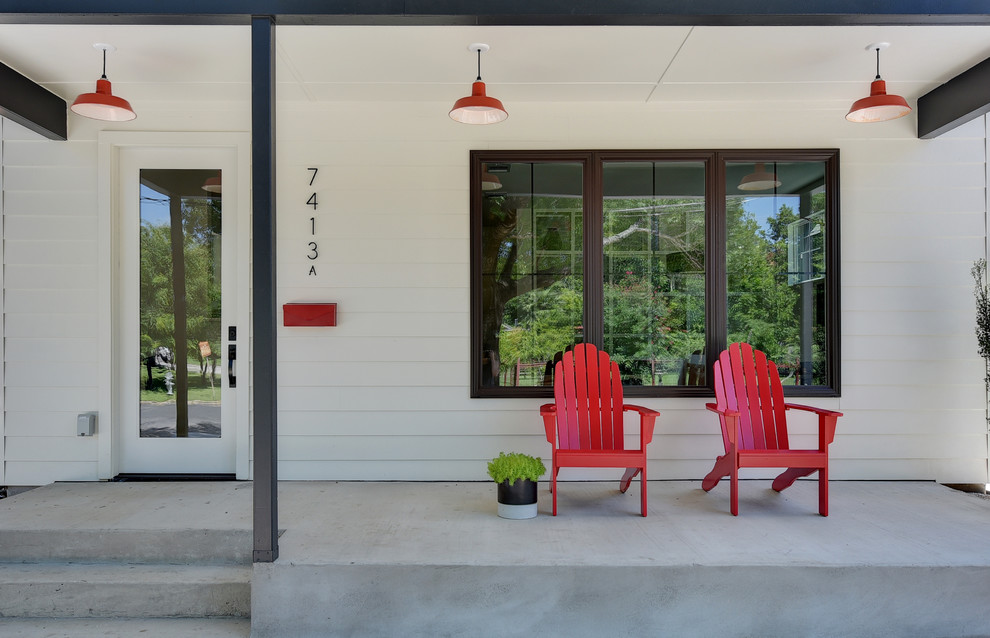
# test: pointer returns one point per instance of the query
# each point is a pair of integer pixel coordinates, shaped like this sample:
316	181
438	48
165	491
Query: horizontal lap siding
385	394
51	289
49	471
913	222
3	422
52	354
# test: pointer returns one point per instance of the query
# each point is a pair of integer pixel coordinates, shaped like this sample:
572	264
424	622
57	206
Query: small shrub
514	466
979	273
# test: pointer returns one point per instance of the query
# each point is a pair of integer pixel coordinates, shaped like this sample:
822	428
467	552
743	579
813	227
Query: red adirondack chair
752	411
584	424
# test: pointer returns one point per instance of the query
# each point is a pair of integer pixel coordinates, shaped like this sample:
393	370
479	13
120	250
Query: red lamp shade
213	184
103	105
878	107
759	180
478	108
490	182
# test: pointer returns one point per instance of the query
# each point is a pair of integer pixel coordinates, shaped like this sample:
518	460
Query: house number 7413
313	253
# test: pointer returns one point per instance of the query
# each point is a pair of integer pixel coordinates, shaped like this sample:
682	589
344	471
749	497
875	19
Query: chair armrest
826	423
714	408
809	408
549	413
642	411
729	420
647	421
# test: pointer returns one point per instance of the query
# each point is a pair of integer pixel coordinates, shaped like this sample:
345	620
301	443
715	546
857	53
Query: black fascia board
31	105
961	99
505	12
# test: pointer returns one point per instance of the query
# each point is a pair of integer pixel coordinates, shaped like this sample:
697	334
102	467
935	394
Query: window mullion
594	295
716	282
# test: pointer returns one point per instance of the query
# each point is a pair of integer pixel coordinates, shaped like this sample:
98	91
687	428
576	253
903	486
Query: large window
661	258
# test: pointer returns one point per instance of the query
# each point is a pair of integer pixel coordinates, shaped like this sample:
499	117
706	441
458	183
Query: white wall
3	438
50	292
384	395
52	355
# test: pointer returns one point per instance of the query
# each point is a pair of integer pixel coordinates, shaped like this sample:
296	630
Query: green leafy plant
979	273
514	466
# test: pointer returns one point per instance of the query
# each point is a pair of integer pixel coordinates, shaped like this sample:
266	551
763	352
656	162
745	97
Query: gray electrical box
86	424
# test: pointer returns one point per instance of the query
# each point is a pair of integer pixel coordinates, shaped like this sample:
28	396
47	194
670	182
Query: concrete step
102	590
144	627
212	546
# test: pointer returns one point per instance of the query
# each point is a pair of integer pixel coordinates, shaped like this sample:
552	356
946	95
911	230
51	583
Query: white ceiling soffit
169	63
525	64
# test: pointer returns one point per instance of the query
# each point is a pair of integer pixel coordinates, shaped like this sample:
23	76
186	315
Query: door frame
110	382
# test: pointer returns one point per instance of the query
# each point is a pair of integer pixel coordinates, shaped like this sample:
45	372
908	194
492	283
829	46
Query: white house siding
53	349
384	395
3	441
50	310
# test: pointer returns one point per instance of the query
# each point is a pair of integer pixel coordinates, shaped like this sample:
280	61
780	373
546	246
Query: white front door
179	338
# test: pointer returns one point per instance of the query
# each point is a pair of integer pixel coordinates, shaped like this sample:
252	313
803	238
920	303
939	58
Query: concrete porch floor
433	559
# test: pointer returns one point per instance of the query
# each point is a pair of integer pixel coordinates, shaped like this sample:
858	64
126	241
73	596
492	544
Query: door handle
231	357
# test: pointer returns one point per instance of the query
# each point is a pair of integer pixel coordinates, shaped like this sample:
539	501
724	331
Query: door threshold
138	477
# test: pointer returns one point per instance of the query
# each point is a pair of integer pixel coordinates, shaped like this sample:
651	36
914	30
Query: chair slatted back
746	381
587	390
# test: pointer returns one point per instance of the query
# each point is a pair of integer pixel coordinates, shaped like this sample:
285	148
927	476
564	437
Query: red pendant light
490	182
478	108
213	184
103	104
759	180
879	106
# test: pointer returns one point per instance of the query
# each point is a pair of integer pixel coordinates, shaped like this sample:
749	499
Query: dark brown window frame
716	320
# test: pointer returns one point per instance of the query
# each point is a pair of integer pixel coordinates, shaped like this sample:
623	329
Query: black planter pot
517	500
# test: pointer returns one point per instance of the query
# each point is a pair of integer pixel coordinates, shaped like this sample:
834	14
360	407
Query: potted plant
516	475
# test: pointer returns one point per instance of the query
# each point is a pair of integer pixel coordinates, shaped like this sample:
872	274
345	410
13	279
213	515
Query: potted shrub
516	475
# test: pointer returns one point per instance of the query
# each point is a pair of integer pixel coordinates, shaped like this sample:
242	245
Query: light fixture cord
479	66
878	63
104	64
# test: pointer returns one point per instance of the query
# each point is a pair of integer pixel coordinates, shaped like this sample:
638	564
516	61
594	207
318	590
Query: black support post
263	275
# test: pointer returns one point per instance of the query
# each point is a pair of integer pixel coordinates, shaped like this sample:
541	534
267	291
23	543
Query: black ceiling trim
32	105
505	12
961	99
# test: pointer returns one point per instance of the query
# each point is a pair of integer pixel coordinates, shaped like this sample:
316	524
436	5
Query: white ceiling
827	65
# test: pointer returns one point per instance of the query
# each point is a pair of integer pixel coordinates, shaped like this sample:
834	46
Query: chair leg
642	483
734	490
788	476
823	491
553	488
627	478
723	467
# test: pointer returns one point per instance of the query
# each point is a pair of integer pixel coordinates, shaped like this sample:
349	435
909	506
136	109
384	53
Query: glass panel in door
180	303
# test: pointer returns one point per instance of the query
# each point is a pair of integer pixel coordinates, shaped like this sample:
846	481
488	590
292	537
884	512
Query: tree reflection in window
531	271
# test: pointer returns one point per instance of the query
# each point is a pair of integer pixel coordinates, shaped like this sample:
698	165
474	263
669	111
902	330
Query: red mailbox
309	314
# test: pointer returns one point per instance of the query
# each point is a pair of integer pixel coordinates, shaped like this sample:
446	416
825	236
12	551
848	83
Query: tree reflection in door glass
180	377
